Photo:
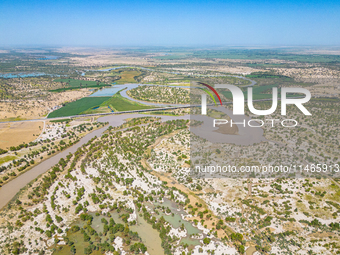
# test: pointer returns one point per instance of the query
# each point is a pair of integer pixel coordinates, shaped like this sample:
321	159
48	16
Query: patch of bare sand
251	250
321	234
13	134
291	226
107	60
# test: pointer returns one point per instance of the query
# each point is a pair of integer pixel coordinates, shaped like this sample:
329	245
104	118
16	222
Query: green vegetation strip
62	120
120	103
77	107
70	84
88	105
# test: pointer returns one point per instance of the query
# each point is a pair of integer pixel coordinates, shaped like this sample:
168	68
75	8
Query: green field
6	159
86	105
128	76
77	107
95	110
125	75
119	103
69	84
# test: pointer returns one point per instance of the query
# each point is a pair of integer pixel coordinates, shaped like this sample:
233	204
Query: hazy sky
169	23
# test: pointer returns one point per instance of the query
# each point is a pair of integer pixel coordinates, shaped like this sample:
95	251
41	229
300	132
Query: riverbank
11	188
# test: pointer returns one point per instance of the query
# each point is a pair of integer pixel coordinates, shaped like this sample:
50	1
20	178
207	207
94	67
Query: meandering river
9	190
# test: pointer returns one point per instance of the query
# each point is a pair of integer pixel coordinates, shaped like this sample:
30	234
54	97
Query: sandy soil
31	109
16	133
13	134
108	59
250	250
331	89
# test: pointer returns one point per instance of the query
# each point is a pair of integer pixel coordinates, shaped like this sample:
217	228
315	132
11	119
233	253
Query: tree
241	249
48	233
126	229
73	249
206	240
86	237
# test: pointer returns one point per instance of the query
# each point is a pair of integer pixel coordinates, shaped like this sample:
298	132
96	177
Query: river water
247	135
9	190
149	235
125	87
24	75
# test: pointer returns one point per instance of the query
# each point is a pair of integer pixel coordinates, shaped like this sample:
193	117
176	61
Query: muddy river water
149	235
9	190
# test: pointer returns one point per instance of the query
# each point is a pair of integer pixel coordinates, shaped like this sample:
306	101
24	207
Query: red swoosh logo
212	89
